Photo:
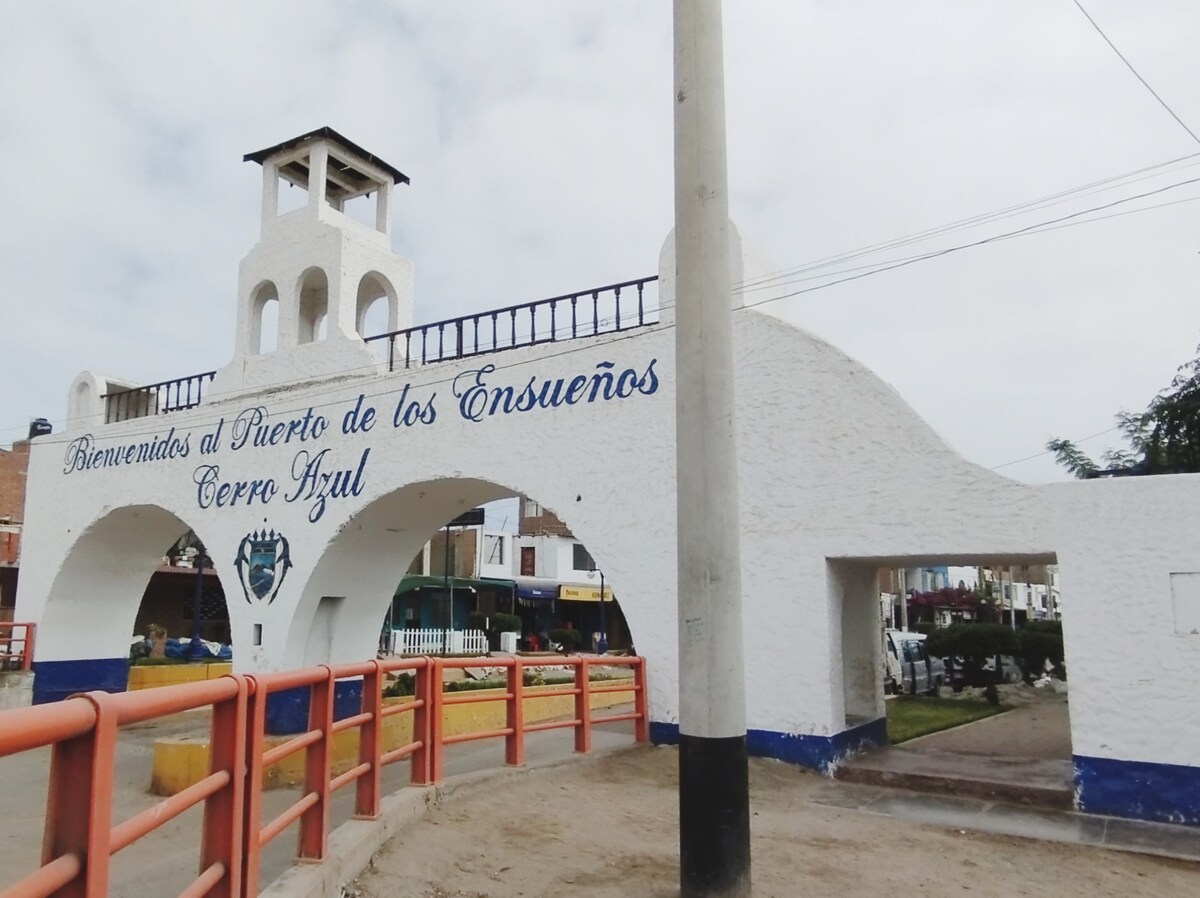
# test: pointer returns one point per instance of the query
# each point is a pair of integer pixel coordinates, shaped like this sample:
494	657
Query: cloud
538	138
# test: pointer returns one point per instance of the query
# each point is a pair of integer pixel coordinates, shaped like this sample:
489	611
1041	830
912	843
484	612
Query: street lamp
196	647
602	642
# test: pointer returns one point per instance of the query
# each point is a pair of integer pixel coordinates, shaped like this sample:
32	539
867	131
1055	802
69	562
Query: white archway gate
303	468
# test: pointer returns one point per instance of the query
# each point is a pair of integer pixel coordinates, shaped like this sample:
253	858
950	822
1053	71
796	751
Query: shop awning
536	588
582	592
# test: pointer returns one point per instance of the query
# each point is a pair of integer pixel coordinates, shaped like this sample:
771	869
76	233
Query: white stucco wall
836	470
838	477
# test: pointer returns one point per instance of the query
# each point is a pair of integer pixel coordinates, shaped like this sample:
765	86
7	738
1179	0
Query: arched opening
425	570
413	559
90	617
313	306
376	308
930	643
184	599
264	318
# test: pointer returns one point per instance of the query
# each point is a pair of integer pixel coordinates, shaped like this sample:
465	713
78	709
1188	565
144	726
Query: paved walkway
1070	827
1022	756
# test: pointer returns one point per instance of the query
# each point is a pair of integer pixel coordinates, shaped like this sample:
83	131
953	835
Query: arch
313	305
87	623
264	318
352	584
373	290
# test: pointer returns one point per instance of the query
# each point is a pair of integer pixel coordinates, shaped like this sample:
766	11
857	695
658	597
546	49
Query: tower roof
346	172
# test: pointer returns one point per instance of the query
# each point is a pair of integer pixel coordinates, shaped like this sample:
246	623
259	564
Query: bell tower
320	266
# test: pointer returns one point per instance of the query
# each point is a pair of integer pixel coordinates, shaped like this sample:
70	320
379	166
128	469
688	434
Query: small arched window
313	306
376	310
264	318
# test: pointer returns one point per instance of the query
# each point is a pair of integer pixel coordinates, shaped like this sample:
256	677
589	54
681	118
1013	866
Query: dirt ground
610	829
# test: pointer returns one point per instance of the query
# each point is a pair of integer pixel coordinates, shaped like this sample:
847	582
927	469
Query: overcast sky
538	139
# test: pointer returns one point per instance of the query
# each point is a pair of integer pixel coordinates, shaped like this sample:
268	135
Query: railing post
514	742
256	729
27	647
436	771
583	706
422	718
79	802
315	821
641	703
370	746
222	841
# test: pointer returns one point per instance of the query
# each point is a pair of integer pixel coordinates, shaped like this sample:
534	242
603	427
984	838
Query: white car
908	667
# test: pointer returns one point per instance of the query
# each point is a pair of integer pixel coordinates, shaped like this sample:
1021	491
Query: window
583	561
532	509
493	549
527	561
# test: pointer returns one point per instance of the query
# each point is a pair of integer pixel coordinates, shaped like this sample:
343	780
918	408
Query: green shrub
925	627
506	623
1043	626
1040	645
402	685
975	644
568	639
470	685
980	641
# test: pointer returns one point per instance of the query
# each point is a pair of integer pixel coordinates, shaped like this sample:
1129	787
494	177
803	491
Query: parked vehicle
908	667
1008	670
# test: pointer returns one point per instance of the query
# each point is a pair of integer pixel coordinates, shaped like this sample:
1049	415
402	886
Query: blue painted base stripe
1169	793
815	752
55	680
287	711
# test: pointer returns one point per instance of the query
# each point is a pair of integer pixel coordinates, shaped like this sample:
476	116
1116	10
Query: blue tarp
178	648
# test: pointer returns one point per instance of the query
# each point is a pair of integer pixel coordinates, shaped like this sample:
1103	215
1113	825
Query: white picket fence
433	642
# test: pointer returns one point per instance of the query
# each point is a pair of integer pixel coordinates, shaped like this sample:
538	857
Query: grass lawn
910	717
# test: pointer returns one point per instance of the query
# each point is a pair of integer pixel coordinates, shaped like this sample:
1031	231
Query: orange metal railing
515	728
82	733
16	645
80	837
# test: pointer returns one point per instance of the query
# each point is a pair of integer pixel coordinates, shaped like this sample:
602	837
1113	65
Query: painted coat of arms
262	562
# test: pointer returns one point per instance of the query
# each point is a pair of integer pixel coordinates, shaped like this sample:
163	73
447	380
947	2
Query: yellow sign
583	594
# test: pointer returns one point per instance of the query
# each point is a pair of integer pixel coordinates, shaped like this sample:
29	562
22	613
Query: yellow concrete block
151	676
178	762
181	761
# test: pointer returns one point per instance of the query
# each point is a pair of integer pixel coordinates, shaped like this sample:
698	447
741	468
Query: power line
1037	229
1051	451
1099	186
1129	65
902	263
1052	224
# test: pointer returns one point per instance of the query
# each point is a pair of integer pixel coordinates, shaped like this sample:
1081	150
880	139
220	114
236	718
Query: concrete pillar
713	773
270	193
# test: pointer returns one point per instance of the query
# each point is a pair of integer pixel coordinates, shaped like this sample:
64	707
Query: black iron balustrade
156	399
601	310
589	313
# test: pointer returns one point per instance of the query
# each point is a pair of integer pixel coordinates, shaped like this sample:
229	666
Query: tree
1164	439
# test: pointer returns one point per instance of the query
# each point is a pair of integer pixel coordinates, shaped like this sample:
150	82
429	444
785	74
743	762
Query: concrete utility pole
714	802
